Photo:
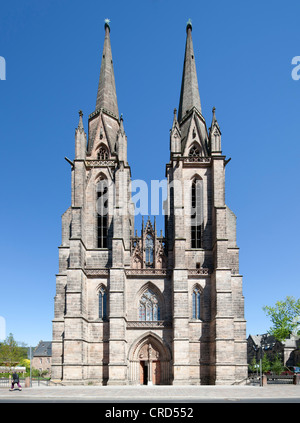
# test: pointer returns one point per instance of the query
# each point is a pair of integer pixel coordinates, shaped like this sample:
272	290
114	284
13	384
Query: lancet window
102	304
149	246
102	213
196	213
196	303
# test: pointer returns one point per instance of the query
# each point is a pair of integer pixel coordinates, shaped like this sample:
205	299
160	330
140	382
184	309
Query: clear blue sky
243	52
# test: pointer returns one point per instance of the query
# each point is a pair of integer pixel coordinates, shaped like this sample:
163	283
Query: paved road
153	394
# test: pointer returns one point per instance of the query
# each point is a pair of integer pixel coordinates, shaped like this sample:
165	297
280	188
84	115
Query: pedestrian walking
15	380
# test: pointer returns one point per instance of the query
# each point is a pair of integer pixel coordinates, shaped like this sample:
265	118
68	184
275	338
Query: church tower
88	325
208	305
141	307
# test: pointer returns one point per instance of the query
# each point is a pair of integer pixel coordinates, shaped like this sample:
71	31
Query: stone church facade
148	308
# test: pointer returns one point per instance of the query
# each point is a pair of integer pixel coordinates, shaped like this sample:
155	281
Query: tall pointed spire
107	96
189	96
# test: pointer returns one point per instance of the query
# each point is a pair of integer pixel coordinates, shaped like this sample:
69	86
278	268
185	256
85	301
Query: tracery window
102	153
102	211
149	250
196	213
149	308
194	151
196	303
102	304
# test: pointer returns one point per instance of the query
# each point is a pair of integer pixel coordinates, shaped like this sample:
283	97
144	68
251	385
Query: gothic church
148	309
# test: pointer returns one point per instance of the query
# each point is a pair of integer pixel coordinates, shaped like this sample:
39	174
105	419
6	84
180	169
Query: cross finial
107	22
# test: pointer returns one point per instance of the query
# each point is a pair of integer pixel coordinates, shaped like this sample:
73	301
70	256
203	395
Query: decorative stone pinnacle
80	113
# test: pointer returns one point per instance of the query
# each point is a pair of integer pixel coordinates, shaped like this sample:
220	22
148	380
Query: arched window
149	308
102	212
102	304
196	213
149	250
102	153
196	303
194	151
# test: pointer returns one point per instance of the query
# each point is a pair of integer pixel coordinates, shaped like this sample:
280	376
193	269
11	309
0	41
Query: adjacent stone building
42	357
148	308
288	350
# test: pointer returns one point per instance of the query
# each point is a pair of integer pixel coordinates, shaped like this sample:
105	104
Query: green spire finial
189	24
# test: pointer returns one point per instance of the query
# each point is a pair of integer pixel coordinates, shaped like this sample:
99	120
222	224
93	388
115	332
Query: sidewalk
151	393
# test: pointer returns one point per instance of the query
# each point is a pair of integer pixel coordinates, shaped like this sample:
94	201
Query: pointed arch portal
149	361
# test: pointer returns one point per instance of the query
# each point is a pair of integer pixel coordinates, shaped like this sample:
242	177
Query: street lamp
263	337
256	348
260	363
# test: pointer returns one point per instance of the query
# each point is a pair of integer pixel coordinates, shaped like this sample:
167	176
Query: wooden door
142	366
156	372
143	373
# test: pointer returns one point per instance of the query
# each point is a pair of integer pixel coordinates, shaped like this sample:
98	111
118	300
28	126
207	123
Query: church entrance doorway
149	362
150	372
143	373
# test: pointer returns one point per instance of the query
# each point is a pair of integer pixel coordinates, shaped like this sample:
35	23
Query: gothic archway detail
149	361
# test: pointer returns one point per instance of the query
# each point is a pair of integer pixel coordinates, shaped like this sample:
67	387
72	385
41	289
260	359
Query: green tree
39	373
25	363
285	316
265	364
277	366
10	352
253	366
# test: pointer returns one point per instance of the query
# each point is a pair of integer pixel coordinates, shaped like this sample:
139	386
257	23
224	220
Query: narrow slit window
196	304
102	304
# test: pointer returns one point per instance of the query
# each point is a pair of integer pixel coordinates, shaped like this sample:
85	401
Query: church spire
189	96
107	96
